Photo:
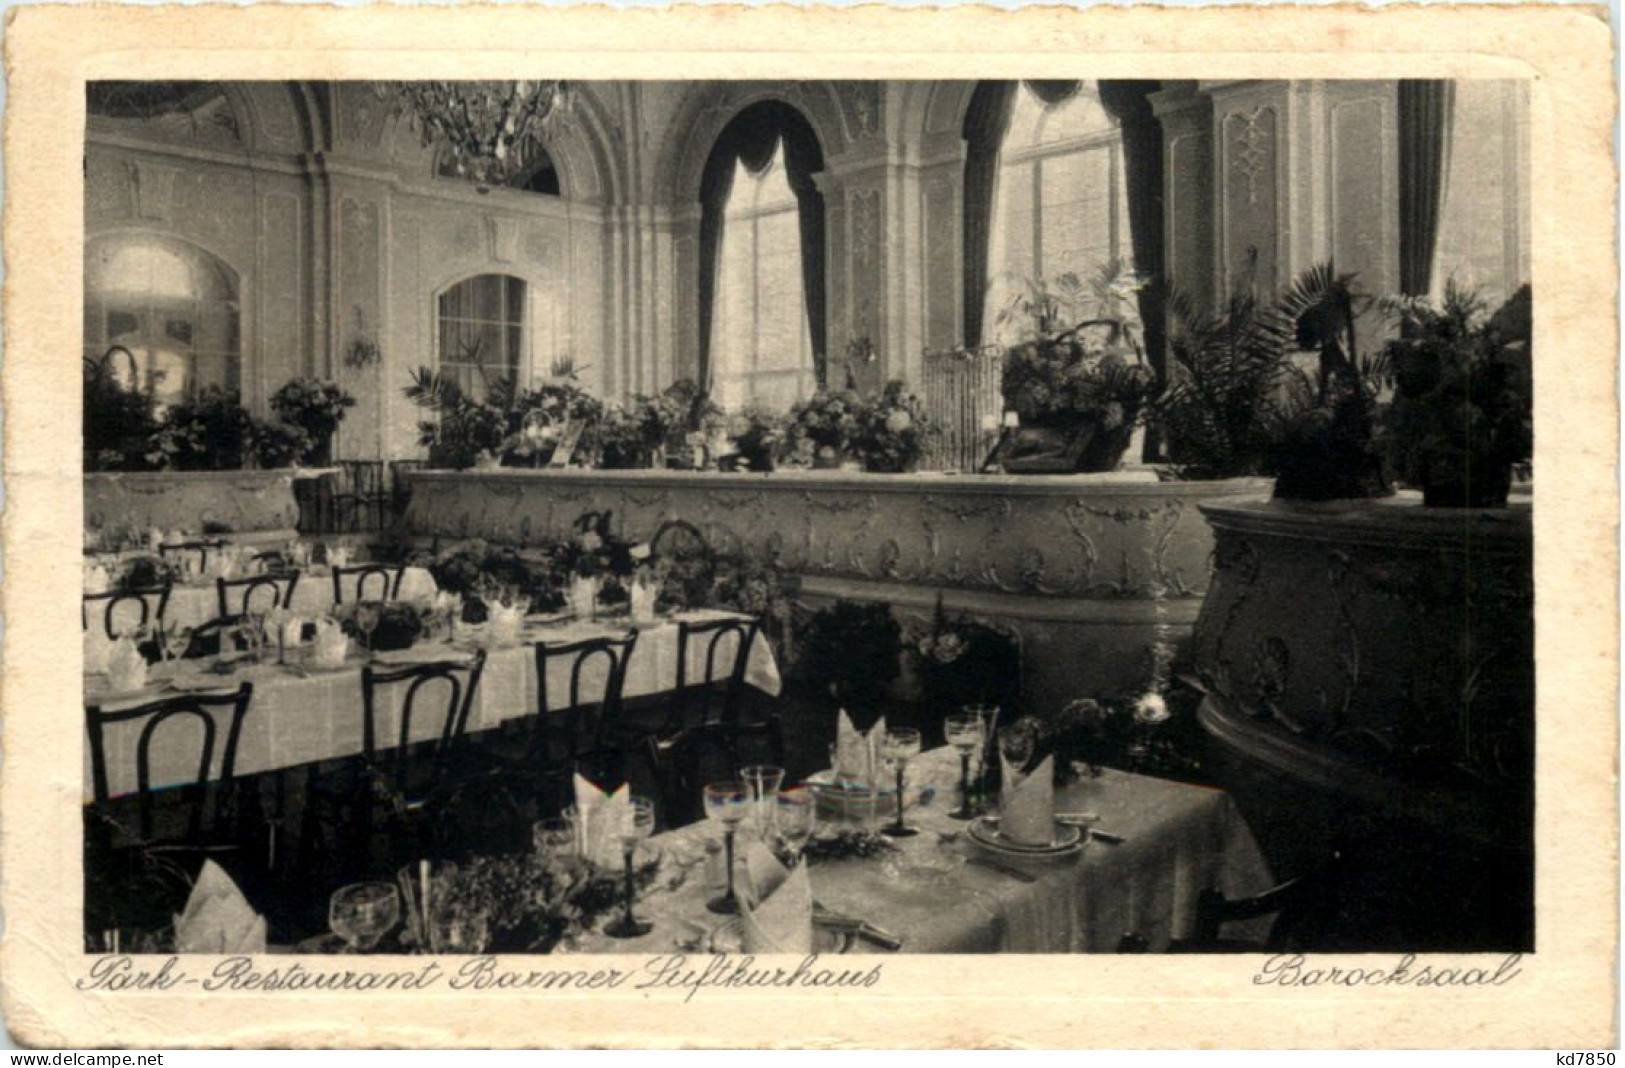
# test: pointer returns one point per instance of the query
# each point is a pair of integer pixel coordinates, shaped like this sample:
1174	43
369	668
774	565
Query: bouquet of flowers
892	431
829	421
1140	734
277	444
757	434
312	405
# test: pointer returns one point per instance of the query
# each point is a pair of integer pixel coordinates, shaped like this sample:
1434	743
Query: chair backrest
461	679
711	659
588	718
1301	907
280	587
155	714
361	478
152	601
386	579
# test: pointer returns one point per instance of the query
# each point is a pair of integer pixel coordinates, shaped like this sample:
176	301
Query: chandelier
492	129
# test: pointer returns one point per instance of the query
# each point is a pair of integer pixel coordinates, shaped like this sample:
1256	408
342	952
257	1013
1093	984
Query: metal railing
962	393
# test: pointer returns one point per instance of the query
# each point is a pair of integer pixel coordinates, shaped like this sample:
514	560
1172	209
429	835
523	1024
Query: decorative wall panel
1250	196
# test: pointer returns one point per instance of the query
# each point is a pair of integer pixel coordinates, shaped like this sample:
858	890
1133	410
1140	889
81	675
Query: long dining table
941	892
299	715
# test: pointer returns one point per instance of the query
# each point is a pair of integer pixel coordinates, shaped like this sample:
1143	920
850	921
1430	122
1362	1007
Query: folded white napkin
1027	803
644	596
98	648
583	596
598	815
502	624
217	918
126	667
331	644
777	910
857	755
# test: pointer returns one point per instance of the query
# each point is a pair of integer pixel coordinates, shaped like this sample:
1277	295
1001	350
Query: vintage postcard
810	527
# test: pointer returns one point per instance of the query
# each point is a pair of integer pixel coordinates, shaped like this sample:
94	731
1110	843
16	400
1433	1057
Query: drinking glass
764	781
635	824
725	803
1016	746
367	615
175	638
797	818
456	931
964	733
901	745
362	913
554	838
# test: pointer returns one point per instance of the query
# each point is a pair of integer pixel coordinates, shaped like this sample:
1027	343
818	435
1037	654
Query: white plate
1068	840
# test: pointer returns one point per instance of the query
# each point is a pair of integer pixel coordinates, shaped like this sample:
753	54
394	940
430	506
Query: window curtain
1129	103
750	138
1425	109
986	121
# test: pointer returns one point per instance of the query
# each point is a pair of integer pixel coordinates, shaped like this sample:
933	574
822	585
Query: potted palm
1462	413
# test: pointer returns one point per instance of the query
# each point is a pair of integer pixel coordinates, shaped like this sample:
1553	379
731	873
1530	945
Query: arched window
481	327
760	343
172	305
1062	201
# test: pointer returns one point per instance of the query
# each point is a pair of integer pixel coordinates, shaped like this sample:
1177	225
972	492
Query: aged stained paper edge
1564	997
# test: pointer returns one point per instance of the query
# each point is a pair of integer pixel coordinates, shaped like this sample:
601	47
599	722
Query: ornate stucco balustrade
1085	568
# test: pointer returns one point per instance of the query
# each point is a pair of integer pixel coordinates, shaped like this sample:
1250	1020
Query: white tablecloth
297	719
1177	841
196	604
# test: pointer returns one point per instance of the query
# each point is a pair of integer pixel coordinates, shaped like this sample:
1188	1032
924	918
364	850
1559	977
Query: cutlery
840	921
1076	819
1004	869
1103	836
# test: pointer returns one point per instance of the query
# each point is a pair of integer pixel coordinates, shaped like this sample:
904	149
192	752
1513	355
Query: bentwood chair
183	549
1302	908
150	600
361	500
369	577
391	804
273	591
584	731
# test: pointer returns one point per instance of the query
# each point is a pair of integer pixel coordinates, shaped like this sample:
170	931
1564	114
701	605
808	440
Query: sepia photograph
632	532
1022	550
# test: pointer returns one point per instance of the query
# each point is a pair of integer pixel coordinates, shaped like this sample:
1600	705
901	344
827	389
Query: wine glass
900	746
1016	746
964	733
554	838
635	824
457	931
764	781
725	802
797	818
367	615
175	639
362	913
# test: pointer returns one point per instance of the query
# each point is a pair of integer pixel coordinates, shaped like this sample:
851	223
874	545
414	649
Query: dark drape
986	121
1130	104
1424	137
751	137
1055	92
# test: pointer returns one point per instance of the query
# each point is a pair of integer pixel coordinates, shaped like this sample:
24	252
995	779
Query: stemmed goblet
362	913
964	733
797	812
636	824
900	746
764	781
367	615
725	802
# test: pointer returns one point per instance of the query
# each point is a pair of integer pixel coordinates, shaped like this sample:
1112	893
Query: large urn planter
254	503
1379	649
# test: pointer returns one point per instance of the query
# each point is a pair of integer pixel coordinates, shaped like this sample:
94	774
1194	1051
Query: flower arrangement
1462	413
525	904
757	435
827	422
314	406
278	444
1147	735
892	430
1092	370
852	651
961	661
119	422
207	432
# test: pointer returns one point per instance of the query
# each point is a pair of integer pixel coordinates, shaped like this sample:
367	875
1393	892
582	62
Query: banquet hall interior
808	517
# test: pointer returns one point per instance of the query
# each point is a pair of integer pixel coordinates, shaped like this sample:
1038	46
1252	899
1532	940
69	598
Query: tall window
1062	201
172	305
482	329
760	345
